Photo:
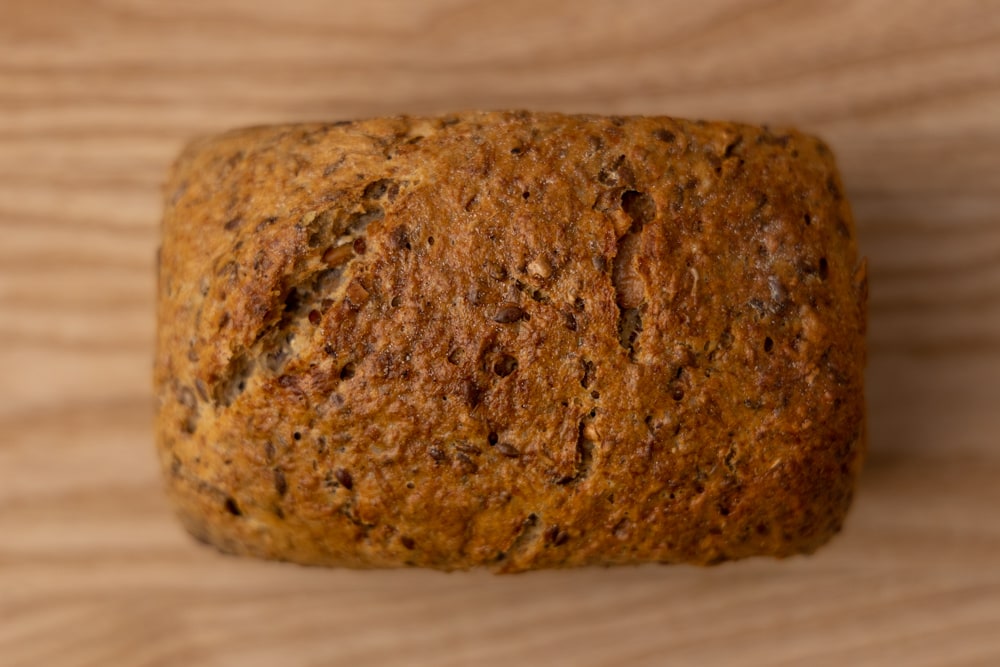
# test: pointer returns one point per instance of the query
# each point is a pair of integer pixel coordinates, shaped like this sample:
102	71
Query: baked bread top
513	340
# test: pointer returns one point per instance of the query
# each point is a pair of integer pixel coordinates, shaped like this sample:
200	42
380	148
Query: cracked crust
509	340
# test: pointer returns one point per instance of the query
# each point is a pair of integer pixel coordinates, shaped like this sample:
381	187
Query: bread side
509	340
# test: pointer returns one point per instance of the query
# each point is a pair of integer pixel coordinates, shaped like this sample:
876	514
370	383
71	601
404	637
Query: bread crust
511	340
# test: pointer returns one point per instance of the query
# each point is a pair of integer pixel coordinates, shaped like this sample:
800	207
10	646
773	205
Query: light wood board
97	97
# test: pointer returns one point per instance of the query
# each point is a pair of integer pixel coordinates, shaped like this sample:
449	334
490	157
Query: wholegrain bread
509	340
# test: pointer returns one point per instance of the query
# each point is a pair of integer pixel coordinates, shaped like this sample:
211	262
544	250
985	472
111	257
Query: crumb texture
510	340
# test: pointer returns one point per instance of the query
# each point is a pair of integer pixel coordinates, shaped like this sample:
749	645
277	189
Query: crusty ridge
510	340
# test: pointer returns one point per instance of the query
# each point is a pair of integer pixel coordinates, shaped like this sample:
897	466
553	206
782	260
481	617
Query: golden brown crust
510	340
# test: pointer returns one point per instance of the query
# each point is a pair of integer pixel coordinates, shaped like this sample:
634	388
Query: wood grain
97	97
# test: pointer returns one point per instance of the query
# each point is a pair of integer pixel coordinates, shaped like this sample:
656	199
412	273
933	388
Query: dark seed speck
467	448
232	507
344	478
468	465
665	136
280	483
507	450
508	314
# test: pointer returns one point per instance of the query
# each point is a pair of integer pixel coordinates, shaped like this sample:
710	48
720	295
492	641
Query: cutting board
96	98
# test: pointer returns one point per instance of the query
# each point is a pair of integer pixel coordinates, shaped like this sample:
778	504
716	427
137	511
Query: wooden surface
97	97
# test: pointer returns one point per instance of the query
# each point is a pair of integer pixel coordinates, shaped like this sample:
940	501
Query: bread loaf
509	340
